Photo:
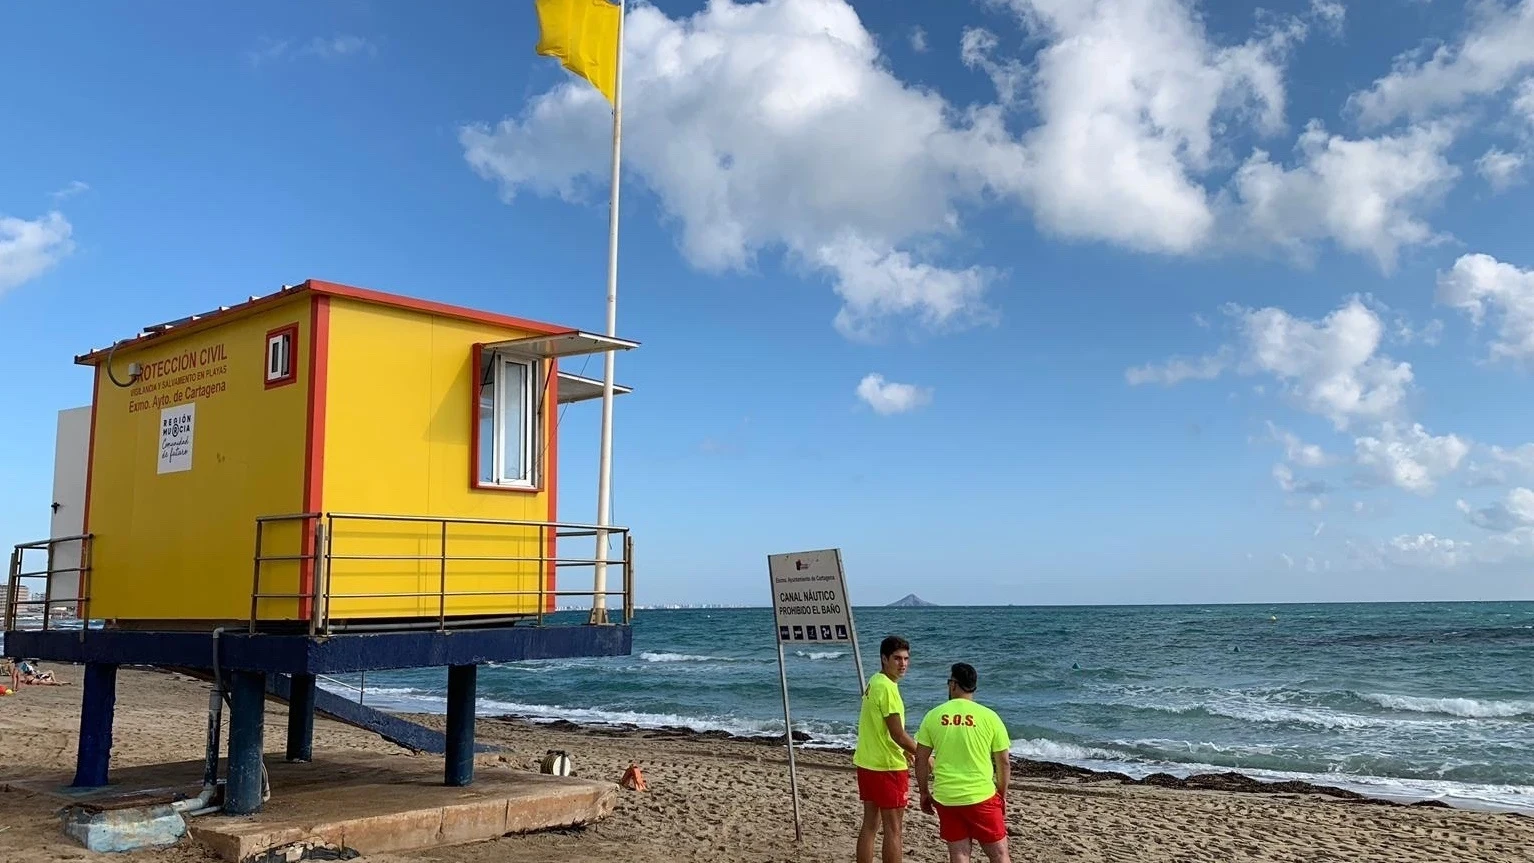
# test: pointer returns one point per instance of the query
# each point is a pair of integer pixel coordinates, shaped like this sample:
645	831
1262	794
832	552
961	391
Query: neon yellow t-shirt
963	736
876	750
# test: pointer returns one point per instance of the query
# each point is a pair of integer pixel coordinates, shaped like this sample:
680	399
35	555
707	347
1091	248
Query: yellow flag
583	34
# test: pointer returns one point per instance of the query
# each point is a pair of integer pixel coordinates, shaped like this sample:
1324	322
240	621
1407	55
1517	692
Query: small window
507	411
280	365
279	357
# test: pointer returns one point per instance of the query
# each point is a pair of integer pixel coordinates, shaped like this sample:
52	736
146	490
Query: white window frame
279	357
529	443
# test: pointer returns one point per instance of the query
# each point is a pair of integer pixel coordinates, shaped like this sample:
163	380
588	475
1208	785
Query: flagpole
605	464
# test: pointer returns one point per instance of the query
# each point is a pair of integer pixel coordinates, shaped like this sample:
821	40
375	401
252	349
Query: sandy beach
719	799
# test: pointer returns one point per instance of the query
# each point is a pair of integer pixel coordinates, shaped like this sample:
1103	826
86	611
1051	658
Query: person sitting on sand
31	674
883	755
967	744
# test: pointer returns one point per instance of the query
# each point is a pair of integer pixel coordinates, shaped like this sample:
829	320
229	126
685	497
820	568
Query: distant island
911	600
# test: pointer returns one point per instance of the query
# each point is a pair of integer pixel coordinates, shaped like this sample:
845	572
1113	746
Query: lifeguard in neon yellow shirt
963	765
883	755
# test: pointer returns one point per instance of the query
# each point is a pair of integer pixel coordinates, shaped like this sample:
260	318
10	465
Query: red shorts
985	822
886	789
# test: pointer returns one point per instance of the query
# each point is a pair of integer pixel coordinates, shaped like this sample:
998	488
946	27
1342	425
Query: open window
510	398
508	412
281	364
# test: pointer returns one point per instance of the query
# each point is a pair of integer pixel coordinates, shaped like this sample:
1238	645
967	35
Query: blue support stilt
461	695
98	703
301	718
247	708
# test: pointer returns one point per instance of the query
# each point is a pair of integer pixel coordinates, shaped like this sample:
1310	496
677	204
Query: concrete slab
121	830
365	802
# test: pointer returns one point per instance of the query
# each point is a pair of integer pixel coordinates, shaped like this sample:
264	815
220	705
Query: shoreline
1229	781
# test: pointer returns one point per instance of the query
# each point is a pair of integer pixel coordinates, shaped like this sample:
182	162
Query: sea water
1405	701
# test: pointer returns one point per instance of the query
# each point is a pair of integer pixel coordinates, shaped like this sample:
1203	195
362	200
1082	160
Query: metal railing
318	557
361	687
19	573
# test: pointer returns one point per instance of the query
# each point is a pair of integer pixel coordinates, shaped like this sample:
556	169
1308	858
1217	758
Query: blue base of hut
243	662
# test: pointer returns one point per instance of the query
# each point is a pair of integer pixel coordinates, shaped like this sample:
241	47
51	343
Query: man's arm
924	777
898	733
1001	757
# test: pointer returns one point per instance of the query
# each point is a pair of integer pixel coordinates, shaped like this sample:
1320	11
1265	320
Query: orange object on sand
633	778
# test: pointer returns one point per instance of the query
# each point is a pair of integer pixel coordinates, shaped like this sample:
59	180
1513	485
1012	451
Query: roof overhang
574	388
192	323
573	343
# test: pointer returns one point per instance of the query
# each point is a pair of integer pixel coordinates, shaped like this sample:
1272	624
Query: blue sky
1022	301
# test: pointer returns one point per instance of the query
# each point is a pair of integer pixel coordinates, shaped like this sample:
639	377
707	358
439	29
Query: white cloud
1284	476
1521	457
1137	105
1514	511
1478	284
1481	475
1179	369
1498	465
977	48
1132	95
326	48
1496	48
30	248
1426	549
1331	367
776	126
1331	13
340	46
75	187
918	40
1428	334
1413	550
1408	457
887	397
876	283
1296	450
1365	194
1523	103
1401	329
1501	170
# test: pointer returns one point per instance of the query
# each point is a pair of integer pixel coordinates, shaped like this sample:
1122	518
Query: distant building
23	594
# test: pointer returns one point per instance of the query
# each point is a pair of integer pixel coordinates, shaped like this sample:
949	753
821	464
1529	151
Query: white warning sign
809	597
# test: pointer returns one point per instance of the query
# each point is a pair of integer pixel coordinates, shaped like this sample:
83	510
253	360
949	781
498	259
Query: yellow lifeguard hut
413	444
323	479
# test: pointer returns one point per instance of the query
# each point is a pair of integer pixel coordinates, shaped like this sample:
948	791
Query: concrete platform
368	803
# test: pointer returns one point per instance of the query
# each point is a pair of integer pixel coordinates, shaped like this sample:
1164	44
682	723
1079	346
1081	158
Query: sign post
788	735
809	606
